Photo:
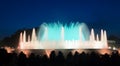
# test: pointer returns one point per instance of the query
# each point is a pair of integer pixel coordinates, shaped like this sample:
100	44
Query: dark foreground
82	59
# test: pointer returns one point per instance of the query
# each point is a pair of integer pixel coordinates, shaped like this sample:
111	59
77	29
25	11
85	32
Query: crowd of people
77	59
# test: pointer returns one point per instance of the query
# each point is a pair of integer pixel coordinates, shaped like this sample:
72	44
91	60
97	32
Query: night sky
97	14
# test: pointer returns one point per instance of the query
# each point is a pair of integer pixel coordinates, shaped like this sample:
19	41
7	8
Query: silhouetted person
22	60
94	58
53	58
45	61
76	59
60	60
32	60
69	59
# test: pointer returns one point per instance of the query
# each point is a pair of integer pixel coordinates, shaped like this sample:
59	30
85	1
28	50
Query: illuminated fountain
58	36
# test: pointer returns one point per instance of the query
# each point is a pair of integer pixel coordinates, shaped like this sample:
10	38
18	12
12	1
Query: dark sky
19	14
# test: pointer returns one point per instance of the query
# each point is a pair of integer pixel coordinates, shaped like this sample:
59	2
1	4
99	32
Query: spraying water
59	36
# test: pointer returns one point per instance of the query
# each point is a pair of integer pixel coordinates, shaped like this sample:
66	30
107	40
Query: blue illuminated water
71	32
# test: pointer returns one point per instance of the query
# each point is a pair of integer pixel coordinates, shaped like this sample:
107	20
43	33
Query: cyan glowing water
71	32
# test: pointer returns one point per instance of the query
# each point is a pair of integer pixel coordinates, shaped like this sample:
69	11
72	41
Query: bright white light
114	48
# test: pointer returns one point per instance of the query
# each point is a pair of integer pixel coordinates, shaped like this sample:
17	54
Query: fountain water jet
58	36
